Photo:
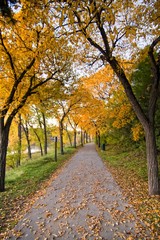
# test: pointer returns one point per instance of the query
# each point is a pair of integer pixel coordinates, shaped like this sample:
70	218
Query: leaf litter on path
83	202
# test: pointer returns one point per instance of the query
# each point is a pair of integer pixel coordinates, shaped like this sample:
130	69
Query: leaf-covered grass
23	183
129	169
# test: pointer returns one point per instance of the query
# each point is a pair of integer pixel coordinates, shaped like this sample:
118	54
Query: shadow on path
83	202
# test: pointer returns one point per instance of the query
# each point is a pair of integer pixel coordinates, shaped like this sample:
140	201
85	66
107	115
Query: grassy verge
25	184
130	171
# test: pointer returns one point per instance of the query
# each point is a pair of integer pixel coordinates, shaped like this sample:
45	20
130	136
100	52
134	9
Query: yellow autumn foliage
137	131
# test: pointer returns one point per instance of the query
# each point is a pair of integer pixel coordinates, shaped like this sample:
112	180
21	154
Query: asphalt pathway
83	202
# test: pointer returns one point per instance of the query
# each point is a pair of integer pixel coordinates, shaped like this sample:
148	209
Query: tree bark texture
69	137
18	162
152	162
26	131
81	137
45	133
61	137
4	133
75	138
39	140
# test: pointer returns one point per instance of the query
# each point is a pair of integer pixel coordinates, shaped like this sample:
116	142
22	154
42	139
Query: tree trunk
148	125
41	149
99	139
96	137
4	133
81	137
39	140
69	137
26	131
89	138
29	147
18	162
61	137
75	138
84	137
152	162
45	133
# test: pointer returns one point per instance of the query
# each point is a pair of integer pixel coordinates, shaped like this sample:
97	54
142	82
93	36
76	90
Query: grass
23	182
132	160
129	169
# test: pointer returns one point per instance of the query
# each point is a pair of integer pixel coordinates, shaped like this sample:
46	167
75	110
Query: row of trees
34	132
97	104
111	26
27	63
39	47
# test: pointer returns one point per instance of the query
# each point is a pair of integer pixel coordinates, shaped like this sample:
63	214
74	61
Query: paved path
83	202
